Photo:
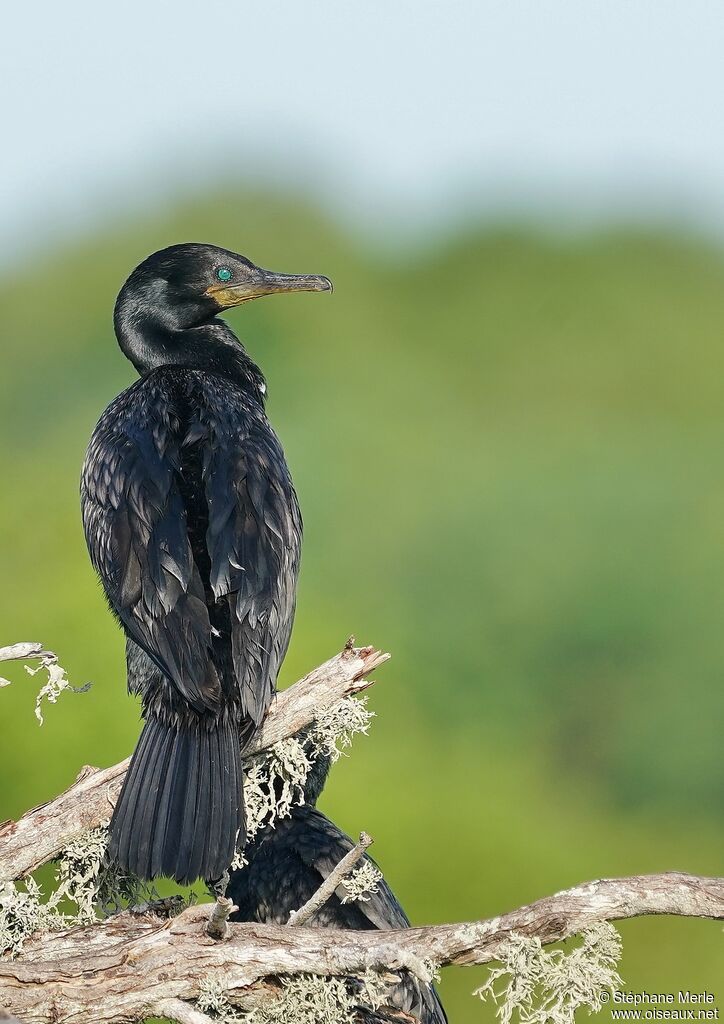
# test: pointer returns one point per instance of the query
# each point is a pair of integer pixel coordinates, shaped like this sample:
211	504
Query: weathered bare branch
330	883
123	968
216	928
135	965
42	833
24	652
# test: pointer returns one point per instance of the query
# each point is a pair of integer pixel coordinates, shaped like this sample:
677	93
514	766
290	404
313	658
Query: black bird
193	527
288	862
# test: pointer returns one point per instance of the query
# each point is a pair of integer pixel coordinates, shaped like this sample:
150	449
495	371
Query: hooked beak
266	282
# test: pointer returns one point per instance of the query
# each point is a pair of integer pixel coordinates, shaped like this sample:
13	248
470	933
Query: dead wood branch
42	833
128	966
134	965
216	928
24	652
326	889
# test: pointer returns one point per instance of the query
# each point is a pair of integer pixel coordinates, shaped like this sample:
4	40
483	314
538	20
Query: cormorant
193	527
286	864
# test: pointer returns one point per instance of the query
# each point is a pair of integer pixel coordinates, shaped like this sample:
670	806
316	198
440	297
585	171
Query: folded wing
253	538
136	528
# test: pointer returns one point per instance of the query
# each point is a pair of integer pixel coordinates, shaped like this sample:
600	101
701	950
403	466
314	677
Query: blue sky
391	111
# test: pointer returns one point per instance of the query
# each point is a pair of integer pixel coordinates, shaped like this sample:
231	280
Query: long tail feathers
180	813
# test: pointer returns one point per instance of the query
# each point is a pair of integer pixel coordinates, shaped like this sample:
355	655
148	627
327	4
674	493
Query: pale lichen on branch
360	884
24	912
87	878
274	780
87	886
540	986
315	999
58	682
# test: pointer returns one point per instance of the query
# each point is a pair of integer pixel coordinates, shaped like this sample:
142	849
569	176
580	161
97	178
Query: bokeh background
506	426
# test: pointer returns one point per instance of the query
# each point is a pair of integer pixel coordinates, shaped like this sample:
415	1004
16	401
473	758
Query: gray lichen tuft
274	784
312	999
23	912
362	883
303	999
274	780
57	683
86	878
332	733
542	986
83	877
212	1000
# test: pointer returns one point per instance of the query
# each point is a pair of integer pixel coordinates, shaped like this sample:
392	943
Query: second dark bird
289	860
193	527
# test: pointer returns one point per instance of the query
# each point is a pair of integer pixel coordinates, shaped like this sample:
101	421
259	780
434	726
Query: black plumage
193	526
286	864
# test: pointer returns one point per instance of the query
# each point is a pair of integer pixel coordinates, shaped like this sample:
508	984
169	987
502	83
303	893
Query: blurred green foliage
508	451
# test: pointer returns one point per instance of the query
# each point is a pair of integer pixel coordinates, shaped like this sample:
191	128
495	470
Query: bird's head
188	284
185	287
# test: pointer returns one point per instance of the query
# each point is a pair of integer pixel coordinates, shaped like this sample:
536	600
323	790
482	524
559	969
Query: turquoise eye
223	274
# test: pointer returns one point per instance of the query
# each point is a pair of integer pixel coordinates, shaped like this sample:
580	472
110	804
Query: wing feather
253	537
136	529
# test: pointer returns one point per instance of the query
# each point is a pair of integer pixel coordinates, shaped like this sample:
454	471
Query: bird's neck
212	346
